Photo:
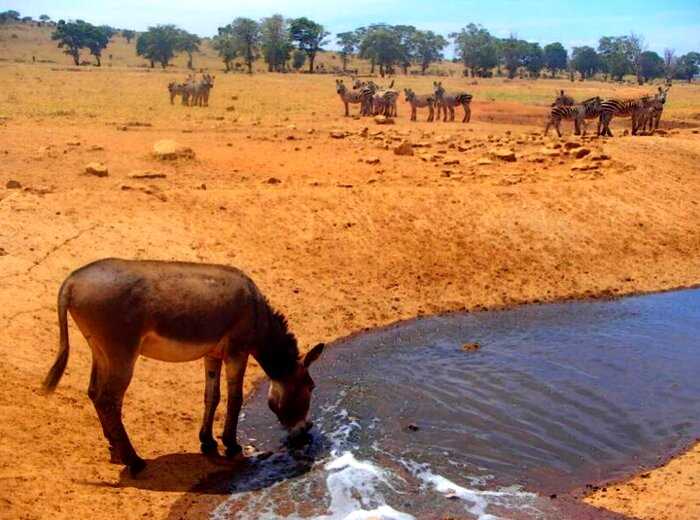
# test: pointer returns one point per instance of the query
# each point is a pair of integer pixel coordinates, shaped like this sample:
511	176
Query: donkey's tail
56	372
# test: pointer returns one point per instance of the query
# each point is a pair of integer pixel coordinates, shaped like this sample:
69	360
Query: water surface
409	425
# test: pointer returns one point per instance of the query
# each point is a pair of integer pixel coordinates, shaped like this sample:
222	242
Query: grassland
341	234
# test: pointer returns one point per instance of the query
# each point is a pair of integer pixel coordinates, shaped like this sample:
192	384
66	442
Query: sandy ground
337	243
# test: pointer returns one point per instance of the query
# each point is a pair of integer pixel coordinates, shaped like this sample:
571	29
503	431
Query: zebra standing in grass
422	101
652	112
449	100
361	96
201	89
588	109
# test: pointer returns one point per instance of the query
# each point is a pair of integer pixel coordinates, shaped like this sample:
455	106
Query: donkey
422	101
177	311
449	100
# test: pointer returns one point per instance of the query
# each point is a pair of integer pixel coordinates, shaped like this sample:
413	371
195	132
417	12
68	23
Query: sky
671	24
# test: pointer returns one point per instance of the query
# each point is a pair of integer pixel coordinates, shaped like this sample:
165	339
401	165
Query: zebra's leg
431	113
347	109
557	126
577	126
452	113
467	113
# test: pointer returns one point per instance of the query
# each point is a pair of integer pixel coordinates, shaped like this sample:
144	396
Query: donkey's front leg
212	395
235	370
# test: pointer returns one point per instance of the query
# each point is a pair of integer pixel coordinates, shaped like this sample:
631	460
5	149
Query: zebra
588	109
361	96
181	89
562	100
448	100
424	100
201	89
625	108
651	114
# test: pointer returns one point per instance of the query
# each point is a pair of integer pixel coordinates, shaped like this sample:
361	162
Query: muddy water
409	425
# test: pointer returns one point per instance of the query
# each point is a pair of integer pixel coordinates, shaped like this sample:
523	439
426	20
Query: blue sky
671	23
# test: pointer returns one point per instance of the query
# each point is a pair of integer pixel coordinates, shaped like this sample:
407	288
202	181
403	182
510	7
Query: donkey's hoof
209	447
232	451
137	466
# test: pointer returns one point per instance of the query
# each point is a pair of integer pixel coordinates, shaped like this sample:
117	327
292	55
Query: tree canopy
77	35
309	36
159	44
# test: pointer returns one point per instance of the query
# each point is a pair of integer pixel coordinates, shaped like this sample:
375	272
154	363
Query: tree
77	35
9	16
298	59
382	46
44	18
428	48
651	65
128	35
406	36
669	63
245	40
189	44
513	51
688	66
477	49
614	56
309	36
27	19
555	57
586	61
274	38
348	42
159	44
225	45
532	58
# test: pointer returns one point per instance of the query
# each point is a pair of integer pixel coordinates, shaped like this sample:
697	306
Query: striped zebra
200	95
185	90
562	100
652	112
360	96
422	101
578	113
449	100
630	107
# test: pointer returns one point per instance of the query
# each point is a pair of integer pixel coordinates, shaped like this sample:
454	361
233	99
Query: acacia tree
555	57
406	36
189	44
159	44
275	43
98	39
246	40
688	66
428	48
349	42
9	16
669	63
225	45
512	51
77	35
476	48
651	65
586	61
309	36
382	46
128	35
298	59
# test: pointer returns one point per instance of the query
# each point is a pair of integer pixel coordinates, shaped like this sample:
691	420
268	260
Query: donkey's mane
279	355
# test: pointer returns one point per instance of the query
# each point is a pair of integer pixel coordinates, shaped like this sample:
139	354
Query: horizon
676	25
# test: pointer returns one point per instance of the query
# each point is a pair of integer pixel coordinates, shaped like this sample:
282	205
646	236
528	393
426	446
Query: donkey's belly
166	349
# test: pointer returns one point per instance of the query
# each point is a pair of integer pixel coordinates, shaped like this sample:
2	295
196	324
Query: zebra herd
376	100
193	92
644	111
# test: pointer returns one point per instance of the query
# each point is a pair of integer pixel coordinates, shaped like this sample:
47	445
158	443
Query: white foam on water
354	486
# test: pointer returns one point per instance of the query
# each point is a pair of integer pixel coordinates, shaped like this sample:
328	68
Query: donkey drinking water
174	311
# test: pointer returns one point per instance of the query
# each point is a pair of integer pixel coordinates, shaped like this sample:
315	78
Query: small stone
167	149
484	161
504	154
405	148
13	185
572	145
273	180
450	162
580	153
383	120
549	152
146	175
413	427
73	143
372	160
338	134
96	169
95	148
230	108
471	347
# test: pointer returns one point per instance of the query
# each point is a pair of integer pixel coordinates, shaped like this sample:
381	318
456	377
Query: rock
167	149
412	427
661	131
73	143
230	108
405	148
273	180
504	154
600	157
13	185
580	153
471	347
383	120
549	152
372	160
484	161
572	145
338	134
97	169
146	175
96	148
450	162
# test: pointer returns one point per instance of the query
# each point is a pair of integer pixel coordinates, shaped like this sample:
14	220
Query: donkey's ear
313	354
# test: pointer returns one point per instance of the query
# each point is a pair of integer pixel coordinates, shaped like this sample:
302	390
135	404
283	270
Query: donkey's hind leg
235	370
212	396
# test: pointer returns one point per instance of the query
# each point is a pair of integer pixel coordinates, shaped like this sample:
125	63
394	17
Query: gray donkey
449	100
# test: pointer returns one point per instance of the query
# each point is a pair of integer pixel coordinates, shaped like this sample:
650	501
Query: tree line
290	43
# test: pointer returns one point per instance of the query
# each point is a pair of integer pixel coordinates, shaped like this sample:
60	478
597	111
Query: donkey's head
289	396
